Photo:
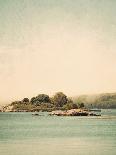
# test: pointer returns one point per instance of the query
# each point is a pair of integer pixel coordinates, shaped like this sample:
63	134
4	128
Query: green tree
41	98
81	105
60	99
16	103
33	99
69	106
69	100
25	100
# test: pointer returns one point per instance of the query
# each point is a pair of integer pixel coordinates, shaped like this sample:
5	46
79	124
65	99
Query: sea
26	134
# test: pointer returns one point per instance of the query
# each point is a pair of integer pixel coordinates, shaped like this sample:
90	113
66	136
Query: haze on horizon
57	45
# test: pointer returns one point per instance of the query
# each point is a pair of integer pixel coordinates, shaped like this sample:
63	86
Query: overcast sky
57	45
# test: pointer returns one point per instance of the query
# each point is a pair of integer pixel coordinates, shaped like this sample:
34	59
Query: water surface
24	134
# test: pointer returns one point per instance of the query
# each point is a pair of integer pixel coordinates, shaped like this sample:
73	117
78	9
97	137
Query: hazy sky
57	45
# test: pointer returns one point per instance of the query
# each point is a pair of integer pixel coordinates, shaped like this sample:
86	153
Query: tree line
46	103
60	101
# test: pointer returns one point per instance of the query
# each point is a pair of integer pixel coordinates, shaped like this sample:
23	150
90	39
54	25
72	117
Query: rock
36	114
73	112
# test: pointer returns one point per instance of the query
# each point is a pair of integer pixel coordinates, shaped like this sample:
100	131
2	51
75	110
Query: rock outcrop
73	112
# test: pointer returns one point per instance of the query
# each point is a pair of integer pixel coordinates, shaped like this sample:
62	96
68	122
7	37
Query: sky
47	46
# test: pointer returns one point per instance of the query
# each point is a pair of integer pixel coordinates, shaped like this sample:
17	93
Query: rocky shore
74	112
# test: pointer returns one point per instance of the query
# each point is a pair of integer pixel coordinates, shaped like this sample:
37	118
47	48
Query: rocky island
60	101
59	105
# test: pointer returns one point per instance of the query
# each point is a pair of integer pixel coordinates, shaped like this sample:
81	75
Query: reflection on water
24	134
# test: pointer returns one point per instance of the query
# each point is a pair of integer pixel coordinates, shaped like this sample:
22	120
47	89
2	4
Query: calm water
24	134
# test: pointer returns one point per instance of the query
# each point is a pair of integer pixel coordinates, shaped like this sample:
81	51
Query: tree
69	106
60	99
69	100
16	103
41	98
81	105
32	99
26	100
